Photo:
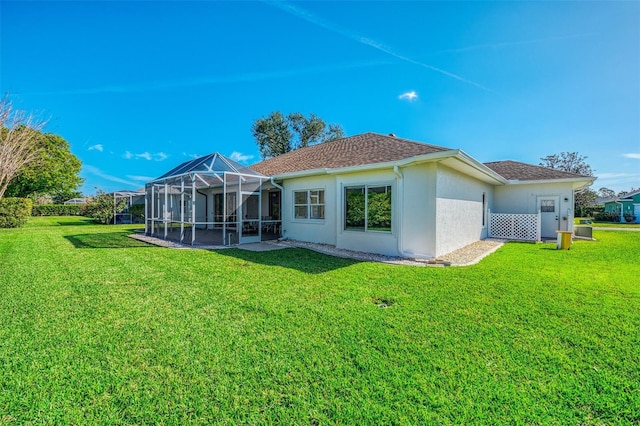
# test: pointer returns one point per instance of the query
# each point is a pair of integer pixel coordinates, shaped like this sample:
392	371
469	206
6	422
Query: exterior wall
417	221
371	241
318	231
523	198
459	207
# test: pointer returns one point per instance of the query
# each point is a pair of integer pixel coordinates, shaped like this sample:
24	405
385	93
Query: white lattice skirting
515	226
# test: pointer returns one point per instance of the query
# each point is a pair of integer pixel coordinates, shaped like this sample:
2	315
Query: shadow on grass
303	260
105	240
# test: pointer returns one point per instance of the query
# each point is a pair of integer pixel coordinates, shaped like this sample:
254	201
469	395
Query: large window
368	208
308	205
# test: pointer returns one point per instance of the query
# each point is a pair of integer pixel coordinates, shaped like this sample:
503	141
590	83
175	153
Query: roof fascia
417	159
583	181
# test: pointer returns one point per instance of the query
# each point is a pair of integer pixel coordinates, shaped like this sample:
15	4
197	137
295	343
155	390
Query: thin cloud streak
307	16
208	81
97	172
515	43
140	178
634	155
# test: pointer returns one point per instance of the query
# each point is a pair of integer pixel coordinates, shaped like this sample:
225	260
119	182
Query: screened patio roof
213	165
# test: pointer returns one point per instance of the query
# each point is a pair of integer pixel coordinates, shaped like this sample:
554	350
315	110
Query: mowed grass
98	328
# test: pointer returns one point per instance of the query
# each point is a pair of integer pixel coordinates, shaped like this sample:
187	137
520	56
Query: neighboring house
628	204
77	201
131	198
369	192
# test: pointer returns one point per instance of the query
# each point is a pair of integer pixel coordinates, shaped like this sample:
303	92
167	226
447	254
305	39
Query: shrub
137	212
607	217
102	207
629	217
56	210
14	212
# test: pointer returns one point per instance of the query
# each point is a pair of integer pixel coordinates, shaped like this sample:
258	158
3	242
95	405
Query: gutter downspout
273	182
401	251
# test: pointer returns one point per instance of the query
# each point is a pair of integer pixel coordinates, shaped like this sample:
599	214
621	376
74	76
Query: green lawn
98	328
607	224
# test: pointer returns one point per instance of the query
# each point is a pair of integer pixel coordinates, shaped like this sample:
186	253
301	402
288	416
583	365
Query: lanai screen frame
183	187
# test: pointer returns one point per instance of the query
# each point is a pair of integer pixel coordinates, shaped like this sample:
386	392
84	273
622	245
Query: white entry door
549	208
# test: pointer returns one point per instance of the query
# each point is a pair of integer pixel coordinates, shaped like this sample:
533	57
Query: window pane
317	212
354	209
321	197
313	197
301	212
300	197
547	206
379	208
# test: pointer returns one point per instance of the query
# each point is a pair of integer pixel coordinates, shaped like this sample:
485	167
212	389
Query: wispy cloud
190	155
634	155
140	178
97	147
240	157
208	81
515	43
158	156
410	96
309	17
97	172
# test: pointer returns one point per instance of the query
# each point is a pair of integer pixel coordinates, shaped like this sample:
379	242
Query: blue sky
139	87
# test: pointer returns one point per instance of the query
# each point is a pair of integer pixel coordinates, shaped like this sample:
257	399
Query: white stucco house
369	192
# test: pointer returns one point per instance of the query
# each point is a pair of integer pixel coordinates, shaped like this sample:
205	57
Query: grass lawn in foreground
98	328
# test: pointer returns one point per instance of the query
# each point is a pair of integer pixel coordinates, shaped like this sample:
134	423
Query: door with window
549	208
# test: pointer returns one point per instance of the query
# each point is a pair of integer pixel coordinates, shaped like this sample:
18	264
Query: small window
308	205
484	209
547	206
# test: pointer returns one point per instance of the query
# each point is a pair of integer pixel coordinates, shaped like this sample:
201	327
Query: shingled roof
514	170
367	148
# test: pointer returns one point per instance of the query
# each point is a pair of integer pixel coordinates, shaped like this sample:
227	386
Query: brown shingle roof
514	170
367	148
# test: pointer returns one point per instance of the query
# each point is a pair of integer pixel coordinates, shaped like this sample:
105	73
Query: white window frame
309	204
366	187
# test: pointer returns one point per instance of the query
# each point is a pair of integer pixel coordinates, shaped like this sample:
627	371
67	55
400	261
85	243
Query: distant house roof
628	197
514	170
367	148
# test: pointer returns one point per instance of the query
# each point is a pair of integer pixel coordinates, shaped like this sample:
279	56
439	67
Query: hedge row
14	212
56	210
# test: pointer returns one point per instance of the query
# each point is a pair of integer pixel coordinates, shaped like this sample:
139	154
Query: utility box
564	240
584	231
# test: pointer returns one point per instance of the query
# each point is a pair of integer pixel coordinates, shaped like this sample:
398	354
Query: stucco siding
417	222
371	241
314	231
523	198
459	207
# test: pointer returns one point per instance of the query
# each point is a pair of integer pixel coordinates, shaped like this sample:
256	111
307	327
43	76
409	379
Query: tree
18	141
102	207
277	134
606	193
574	163
53	171
569	162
